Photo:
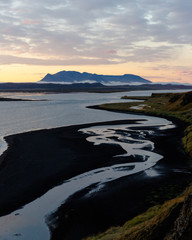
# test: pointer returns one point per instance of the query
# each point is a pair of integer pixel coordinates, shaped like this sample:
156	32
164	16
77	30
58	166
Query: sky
152	39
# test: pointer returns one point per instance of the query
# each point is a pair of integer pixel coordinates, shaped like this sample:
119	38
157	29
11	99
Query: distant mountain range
70	77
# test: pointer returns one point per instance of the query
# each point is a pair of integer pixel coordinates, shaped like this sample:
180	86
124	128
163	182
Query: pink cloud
31	22
154	77
156	69
186	73
111	51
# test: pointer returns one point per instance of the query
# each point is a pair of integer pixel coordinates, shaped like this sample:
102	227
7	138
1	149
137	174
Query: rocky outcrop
183	224
181	100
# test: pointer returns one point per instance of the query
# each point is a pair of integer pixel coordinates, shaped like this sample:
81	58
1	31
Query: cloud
103	31
186	73
33	22
155	77
8	59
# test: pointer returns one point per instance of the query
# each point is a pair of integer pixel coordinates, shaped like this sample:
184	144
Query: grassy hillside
169	221
173	219
177	105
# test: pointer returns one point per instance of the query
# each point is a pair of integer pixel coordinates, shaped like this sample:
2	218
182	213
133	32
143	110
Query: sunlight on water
151	172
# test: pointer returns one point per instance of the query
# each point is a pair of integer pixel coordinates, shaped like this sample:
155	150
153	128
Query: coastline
40	154
175	120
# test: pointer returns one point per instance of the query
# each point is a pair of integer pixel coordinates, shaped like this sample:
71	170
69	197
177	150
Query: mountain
69	77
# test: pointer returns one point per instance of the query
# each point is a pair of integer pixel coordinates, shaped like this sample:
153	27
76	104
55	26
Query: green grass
177	105
135	97
144	225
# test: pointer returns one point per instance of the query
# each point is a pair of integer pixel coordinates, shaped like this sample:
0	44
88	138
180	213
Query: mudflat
39	160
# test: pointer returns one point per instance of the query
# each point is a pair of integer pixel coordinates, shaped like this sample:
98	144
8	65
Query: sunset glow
151	39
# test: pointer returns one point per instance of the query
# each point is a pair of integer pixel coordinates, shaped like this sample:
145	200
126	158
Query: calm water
63	110
60	110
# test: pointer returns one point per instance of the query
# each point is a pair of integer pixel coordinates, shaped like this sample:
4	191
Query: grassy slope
177	105
173	219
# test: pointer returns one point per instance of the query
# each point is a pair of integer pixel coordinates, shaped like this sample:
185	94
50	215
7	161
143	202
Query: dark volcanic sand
38	160
125	198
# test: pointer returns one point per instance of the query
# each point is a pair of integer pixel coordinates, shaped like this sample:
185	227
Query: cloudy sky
144	37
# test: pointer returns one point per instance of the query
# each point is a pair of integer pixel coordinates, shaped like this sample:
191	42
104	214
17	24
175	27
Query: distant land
84	87
72	81
69	77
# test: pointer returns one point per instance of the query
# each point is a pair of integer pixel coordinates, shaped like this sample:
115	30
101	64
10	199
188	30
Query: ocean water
64	110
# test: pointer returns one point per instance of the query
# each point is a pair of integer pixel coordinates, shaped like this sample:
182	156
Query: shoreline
40	154
181	124
177	121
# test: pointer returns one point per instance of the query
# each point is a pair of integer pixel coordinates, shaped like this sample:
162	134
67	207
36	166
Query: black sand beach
37	161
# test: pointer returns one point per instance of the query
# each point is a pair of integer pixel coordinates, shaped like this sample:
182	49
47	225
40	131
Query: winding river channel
30	222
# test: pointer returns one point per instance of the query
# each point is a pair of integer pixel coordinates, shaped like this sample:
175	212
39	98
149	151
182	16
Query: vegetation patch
177	105
157	221
135	97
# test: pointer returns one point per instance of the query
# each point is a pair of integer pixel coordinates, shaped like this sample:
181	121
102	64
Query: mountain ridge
77	77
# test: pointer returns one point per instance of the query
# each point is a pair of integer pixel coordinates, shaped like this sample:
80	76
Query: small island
6	99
